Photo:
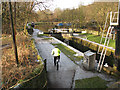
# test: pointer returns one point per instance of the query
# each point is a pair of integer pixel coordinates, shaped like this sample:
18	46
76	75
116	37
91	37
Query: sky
63	4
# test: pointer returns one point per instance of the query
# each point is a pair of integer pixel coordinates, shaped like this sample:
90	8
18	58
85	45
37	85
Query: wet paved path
68	70
63	77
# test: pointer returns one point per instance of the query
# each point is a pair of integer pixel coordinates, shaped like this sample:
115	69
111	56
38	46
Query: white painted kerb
75	50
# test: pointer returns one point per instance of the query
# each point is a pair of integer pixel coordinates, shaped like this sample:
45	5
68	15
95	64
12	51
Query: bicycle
57	63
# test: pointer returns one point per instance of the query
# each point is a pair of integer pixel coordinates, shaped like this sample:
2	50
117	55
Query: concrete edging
96	43
75	50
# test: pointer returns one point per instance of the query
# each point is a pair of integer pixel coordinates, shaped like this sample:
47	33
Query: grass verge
94	82
69	53
97	39
47	39
41	35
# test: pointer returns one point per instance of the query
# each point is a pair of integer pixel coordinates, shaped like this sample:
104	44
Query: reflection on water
44	27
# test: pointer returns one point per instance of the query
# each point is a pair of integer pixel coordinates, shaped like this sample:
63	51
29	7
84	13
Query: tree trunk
14	38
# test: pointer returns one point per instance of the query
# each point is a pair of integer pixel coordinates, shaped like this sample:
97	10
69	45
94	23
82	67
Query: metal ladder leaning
106	43
112	18
103	33
113	22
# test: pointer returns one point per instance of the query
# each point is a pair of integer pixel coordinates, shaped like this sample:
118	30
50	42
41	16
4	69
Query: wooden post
45	65
14	38
15	17
117	45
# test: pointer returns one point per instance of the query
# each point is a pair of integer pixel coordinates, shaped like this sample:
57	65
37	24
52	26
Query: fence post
45	65
14	36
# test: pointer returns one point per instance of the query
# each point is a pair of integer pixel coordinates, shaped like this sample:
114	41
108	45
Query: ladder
103	33
113	22
106	43
114	18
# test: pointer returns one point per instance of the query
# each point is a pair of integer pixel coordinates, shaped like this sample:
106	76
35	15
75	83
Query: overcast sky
63	4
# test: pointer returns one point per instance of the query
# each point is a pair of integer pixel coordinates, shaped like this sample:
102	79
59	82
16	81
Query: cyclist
56	53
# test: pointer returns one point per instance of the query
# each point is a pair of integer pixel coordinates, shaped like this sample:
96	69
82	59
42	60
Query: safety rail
114	18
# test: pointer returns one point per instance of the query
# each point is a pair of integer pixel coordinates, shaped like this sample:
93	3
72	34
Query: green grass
69	53
47	39
97	39
40	35
94	82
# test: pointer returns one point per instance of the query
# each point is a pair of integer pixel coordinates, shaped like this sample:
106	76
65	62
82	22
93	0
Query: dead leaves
11	74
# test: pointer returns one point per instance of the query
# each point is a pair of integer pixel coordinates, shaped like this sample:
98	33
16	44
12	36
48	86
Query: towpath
56	79
68	72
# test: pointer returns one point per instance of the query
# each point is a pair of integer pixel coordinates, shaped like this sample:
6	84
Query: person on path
56	53
33	24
